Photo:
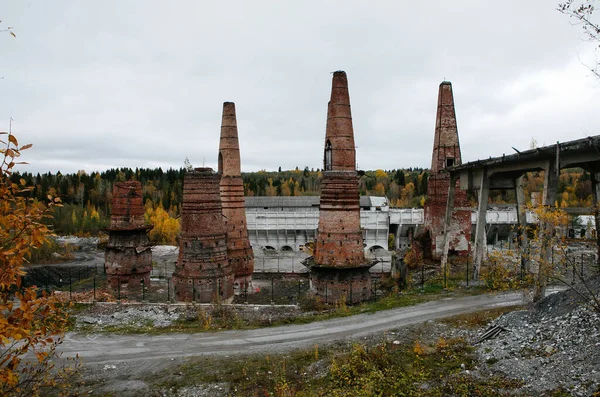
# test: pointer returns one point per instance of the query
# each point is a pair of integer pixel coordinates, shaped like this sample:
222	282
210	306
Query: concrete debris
556	344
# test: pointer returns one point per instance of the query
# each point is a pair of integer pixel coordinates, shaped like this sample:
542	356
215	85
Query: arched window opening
328	160
220	170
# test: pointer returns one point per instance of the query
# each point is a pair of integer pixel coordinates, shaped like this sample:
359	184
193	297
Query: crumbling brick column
446	153
202	273
128	255
239	250
338	269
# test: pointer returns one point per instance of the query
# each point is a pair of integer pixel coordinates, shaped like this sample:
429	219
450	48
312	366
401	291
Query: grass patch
478	319
440	368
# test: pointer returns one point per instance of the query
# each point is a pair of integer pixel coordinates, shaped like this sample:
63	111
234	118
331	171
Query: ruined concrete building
128	255
338	269
239	251
446	153
202	273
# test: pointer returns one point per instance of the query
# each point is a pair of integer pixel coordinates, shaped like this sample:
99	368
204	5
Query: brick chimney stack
339	134
128	257
446	148
231	187
446	153
202	273
338	267
339	237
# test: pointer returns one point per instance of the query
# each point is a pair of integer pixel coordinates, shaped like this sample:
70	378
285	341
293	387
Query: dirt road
111	349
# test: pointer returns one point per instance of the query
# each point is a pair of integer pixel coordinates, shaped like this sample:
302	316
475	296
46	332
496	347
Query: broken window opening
328	160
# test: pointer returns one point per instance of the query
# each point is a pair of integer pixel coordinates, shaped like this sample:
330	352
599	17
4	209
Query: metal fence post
94	288
272	291
168	289
445	269
375	292
70	286
467	271
350	292
423	277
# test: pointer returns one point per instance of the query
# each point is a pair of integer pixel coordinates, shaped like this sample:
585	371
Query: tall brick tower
239	250
446	153
128	257
339	268
202	273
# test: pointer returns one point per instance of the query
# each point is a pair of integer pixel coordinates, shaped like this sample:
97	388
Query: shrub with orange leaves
31	323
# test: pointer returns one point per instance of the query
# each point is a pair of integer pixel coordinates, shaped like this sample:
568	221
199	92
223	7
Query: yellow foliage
29	323
270	190
413	259
166	228
380	189
381	174
95	215
418	349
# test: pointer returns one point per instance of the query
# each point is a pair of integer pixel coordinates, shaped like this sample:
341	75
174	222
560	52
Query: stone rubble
556	344
158	317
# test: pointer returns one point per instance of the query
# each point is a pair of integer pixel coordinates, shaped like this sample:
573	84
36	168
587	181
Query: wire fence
566	264
92	284
282	279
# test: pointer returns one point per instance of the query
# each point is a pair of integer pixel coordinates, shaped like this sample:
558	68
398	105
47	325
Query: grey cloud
141	83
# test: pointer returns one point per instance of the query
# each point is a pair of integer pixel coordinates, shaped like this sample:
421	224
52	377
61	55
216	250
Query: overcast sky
101	84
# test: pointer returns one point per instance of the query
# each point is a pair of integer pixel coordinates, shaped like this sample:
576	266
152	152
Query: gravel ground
554	344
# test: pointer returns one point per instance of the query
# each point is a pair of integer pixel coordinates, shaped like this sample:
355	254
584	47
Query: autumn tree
31	323
166	228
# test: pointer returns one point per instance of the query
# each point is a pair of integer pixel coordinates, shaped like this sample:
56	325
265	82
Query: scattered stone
550	346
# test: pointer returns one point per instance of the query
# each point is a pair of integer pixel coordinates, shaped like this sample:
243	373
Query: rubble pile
554	345
157	317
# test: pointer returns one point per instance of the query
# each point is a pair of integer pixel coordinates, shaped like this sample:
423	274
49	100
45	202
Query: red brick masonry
239	250
202	272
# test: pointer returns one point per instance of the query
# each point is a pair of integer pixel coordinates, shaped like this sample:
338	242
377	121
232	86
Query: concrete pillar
546	231
550	183
595	177
480	237
447	222
522	222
